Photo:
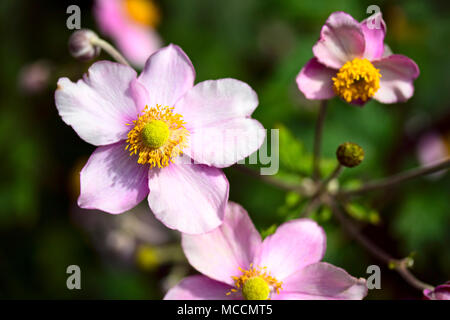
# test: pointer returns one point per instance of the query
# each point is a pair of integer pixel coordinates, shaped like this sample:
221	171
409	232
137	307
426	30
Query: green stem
399	265
396	179
315	200
337	171
318	139
113	52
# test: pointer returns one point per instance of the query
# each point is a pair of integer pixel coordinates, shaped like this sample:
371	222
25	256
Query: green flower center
155	133
255	288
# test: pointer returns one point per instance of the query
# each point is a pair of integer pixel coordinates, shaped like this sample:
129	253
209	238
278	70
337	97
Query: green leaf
321	215
352	184
292	199
290	151
268	231
362	213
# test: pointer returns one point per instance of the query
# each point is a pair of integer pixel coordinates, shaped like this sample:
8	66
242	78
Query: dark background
264	43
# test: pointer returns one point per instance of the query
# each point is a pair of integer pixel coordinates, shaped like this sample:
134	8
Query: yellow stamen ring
357	80
158	136
256	284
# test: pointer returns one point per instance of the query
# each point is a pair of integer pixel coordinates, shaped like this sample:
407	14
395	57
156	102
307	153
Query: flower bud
350	154
81	47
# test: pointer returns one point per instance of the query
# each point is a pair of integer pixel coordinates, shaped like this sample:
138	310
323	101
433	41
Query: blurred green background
264	43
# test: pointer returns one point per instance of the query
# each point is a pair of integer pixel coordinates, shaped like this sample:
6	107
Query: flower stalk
318	139
322	189
396	179
401	266
113	52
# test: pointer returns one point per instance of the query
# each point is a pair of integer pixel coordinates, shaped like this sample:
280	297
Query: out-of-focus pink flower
34	78
432	148
131	24
237	264
352	62
441	292
119	238
143	124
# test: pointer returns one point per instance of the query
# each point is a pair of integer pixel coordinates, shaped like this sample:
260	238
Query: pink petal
220	253
341	40
199	288
112	181
441	292
139	94
315	80
187	197
135	41
110	16
138	43
168	74
294	245
397	75
374	30
99	106
322	281
217	115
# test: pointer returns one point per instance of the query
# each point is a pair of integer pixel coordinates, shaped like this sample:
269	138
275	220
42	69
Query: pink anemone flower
352	62
236	264
441	292
131	24
141	127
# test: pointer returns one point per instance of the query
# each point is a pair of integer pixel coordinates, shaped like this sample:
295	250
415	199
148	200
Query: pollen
357	80
144	12
255	284
158	136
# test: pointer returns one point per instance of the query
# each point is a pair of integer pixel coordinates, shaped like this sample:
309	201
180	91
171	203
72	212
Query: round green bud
255	288
155	133
350	154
